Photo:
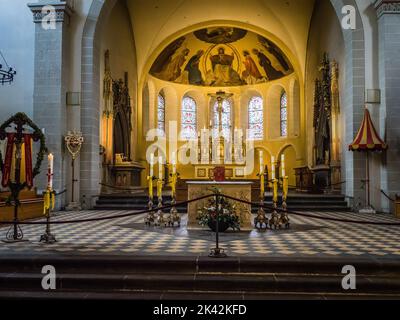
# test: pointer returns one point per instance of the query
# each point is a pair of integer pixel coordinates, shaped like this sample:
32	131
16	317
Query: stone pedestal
73	206
126	175
240	190
322	177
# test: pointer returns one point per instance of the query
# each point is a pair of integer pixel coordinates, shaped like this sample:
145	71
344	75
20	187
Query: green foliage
227	212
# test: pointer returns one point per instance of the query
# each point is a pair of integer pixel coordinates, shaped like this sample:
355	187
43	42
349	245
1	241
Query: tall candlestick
160	167
50	159
261	163
151	164
173	161
273	168
283	165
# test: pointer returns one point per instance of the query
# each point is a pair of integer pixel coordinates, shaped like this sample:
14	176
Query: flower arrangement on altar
227	218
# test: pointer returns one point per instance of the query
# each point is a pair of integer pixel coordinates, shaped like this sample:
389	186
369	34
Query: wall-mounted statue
122	118
322	115
325	122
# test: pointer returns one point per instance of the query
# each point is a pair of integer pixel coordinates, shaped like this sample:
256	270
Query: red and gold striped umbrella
367	139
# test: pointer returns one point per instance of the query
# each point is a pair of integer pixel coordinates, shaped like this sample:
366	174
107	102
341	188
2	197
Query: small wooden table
239	189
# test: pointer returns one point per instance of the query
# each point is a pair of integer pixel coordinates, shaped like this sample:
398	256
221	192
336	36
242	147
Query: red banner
28	160
8	160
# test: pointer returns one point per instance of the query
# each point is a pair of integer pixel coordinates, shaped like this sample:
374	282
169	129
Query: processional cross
19	131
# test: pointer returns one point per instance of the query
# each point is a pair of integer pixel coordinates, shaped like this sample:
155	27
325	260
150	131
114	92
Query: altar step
312	202
160	277
295	202
132	202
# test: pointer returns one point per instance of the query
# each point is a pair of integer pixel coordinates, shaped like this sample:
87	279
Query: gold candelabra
284	218
174	217
274	220
150	218
261	220
160	215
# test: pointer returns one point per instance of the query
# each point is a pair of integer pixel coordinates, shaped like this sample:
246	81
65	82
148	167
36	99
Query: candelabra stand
217	252
274	220
49	199
261	220
150	218
160	215
284	218
173	214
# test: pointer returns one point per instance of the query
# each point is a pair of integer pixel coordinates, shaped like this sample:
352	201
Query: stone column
388	13
50	82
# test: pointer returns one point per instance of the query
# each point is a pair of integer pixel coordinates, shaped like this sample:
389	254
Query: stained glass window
226	119
188	119
284	114
161	113
256	118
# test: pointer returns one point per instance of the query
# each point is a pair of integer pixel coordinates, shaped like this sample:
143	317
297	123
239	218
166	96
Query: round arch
90	92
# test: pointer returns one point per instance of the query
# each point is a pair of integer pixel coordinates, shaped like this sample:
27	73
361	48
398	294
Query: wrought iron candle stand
17	130
217	252
49	195
150	218
174	216
284	218
274	221
261	220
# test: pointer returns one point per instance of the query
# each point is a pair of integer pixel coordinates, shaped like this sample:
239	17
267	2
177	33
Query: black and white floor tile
128	235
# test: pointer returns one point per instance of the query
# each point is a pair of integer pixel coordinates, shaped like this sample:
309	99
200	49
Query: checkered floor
307	237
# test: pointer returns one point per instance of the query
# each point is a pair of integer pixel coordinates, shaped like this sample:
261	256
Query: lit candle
283	165
173	161
261	163
273	168
50	159
151	164
160	167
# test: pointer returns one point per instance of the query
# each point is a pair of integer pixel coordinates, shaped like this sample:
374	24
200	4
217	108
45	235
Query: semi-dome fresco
221	57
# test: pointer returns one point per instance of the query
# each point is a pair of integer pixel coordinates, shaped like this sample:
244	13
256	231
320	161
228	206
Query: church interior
283	113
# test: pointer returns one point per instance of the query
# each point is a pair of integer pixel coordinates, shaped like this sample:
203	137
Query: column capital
62	9
387	7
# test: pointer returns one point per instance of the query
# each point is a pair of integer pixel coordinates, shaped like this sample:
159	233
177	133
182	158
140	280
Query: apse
221	57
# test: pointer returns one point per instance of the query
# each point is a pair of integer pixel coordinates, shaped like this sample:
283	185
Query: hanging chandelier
6	72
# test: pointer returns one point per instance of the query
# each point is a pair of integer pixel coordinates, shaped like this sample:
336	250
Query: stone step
119	282
133	207
183	295
111	264
295	203
116	276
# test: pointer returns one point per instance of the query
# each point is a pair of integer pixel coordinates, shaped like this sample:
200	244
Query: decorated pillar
51	19
388	13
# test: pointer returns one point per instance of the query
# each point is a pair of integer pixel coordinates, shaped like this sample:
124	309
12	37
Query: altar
237	189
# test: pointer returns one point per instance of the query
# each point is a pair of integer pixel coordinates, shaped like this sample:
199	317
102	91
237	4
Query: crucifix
220	96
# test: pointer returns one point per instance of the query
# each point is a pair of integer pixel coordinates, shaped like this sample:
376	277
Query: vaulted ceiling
156	23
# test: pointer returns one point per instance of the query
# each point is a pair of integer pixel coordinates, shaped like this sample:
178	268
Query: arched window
226	119
256	118
188	118
284	114
161	112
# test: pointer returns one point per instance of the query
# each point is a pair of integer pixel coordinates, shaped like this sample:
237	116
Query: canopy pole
367	183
